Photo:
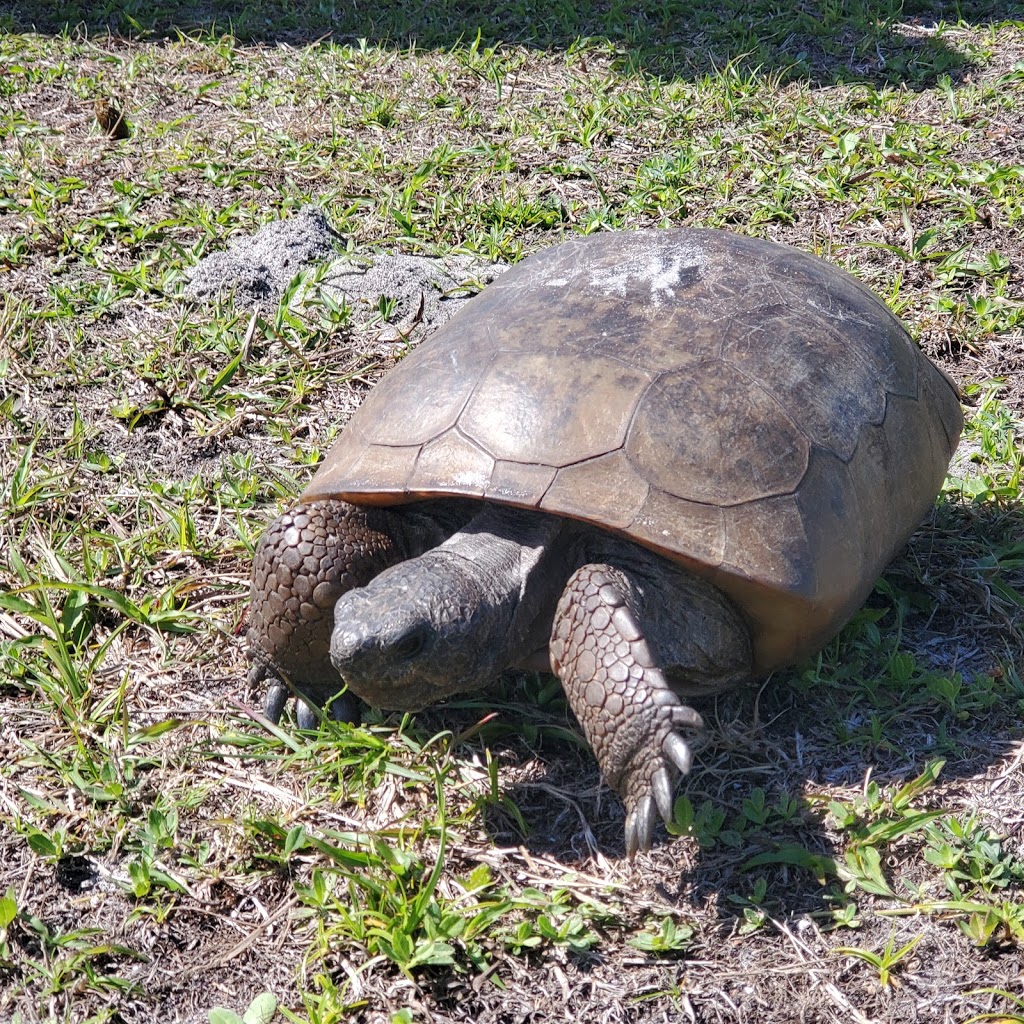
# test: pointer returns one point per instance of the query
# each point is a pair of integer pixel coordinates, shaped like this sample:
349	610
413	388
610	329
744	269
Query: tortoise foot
307	558
631	715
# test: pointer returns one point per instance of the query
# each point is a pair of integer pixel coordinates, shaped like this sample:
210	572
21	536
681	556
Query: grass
849	846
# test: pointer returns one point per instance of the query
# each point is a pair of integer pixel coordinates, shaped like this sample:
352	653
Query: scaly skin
452	620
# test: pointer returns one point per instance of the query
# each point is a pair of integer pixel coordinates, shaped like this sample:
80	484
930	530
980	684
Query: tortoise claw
640	821
309	711
661	784
277	697
659	797
305	716
678	751
312	705
640	826
687	717
347	707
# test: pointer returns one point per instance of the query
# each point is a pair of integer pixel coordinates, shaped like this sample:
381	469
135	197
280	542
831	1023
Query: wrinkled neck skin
457	616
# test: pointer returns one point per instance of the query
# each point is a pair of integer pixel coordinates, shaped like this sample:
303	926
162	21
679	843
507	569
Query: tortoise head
420	631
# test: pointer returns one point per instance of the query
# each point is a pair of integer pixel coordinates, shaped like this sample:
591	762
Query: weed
887	961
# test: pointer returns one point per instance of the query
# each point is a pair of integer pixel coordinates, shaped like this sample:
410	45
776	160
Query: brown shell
739	406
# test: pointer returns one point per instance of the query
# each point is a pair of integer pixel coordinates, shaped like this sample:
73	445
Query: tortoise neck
510	553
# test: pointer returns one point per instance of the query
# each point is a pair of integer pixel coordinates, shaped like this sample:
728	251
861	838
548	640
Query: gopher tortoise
655	463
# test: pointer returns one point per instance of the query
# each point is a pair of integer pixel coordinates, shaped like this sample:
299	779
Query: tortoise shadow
877	41
924	673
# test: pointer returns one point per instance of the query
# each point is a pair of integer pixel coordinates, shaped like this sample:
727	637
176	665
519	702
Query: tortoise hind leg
307	558
617	640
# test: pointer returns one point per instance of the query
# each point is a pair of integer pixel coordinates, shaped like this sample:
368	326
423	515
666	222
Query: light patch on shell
661	270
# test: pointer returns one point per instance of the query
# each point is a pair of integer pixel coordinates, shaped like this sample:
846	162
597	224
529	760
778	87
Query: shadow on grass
925	673
884	42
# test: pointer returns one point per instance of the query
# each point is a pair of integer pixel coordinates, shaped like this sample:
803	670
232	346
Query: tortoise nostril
350	645
356	651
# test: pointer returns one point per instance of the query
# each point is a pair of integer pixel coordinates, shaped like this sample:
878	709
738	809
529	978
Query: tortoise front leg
612	651
307	558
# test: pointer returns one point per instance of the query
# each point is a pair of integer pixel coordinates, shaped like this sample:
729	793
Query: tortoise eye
410	645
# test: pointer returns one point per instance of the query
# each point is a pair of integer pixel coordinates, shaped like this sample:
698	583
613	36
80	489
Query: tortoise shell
740	407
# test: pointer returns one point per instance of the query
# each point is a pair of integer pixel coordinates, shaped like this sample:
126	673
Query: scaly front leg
612	654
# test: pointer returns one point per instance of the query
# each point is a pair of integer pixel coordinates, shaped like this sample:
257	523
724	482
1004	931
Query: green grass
850	836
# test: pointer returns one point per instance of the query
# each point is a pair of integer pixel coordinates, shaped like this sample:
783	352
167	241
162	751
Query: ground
849	847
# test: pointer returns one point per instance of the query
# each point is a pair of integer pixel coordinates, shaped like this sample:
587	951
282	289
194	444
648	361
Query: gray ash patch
258	268
393	296
408	295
